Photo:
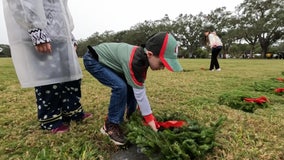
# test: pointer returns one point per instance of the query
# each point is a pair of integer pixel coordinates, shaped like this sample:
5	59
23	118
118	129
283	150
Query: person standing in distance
44	57
215	43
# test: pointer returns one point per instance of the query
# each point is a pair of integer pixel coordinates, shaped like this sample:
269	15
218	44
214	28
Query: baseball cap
165	46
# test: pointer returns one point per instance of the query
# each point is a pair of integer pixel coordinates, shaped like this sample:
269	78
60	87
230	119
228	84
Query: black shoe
114	132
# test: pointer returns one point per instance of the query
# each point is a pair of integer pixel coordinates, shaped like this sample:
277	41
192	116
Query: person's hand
152	124
151	121
44	48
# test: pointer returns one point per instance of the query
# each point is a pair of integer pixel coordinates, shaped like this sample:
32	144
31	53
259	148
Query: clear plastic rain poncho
53	18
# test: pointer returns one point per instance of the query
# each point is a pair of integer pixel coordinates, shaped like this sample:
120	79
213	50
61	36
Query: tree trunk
264	44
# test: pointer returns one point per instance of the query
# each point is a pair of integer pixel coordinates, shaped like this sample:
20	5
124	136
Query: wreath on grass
275	86
243	101
187	142
279	91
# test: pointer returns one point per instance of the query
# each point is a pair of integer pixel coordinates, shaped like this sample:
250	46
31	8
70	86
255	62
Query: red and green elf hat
165	46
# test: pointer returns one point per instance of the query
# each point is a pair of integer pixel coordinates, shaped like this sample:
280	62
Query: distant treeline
254	29
5	50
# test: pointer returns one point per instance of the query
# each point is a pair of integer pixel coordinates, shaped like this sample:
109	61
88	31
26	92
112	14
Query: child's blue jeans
122	96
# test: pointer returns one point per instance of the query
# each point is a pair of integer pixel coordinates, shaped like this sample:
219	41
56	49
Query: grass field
195	92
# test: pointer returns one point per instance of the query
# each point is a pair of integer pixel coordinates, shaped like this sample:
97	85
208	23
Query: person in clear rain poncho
44	57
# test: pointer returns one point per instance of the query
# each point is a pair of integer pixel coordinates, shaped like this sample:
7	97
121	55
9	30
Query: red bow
280	79
279	90
259	100
169	124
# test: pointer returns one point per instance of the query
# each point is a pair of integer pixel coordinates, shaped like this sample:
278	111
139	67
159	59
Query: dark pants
58	103
214	61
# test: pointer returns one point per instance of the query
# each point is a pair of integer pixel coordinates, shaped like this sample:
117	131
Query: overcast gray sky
92	16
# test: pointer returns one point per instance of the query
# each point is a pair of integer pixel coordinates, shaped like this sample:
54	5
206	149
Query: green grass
258	135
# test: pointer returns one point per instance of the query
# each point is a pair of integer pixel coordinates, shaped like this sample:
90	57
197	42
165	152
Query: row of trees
254	26
5	50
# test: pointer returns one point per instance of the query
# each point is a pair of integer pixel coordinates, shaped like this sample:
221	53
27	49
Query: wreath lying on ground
243	101
187	142
274	85
279	91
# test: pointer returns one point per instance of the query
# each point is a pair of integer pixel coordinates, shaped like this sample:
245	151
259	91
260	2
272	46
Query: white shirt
142	100
214	40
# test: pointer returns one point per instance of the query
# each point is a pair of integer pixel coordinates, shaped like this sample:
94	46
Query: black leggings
214	61
58	103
